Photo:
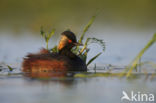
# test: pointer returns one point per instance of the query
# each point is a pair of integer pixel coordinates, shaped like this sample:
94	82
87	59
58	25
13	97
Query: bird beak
78	44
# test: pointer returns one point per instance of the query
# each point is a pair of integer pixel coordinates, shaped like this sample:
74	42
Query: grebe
63	61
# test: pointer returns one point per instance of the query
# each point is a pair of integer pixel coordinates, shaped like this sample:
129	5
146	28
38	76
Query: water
120	51
20	89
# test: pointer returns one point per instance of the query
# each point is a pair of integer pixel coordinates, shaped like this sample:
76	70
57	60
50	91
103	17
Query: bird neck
67	52
64	51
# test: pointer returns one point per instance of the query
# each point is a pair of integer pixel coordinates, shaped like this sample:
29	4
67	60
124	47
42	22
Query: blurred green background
17	15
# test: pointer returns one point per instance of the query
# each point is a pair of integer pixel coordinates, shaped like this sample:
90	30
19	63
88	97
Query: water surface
20	89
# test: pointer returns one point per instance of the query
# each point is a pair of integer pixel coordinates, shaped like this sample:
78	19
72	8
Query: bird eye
69	41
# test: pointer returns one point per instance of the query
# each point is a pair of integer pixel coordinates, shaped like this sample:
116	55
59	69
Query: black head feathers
70	35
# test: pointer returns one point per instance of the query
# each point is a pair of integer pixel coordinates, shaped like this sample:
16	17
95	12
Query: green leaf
86	28
137	58
46	38
10	68
51	34
54	49
92	59
47	35
98	41
42	31
93	40
77	49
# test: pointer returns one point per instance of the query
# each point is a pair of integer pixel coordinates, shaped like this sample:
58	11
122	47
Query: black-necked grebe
64	60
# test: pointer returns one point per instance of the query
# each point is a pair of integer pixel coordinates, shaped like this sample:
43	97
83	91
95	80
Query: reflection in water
15	89
65	78
46	74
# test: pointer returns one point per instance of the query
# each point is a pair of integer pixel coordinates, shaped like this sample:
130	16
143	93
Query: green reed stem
137	58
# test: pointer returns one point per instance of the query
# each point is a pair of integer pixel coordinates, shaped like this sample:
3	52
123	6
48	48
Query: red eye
69	41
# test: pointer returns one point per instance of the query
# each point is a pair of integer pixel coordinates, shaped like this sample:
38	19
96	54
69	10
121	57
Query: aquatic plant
10	68
80	51
5	66
47	35
135	62
83	51
86	28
